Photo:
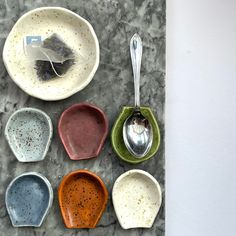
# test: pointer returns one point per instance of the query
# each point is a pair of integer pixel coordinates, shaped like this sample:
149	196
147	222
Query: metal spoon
137	130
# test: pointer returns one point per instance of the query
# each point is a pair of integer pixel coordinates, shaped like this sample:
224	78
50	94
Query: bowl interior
28	132
117	136
27	200
82	198
76	32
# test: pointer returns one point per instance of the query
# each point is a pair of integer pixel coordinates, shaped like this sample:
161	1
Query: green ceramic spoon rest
117	136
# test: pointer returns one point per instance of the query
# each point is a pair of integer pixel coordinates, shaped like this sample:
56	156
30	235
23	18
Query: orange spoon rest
82	199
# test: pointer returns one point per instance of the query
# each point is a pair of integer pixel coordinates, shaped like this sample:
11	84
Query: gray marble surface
114	21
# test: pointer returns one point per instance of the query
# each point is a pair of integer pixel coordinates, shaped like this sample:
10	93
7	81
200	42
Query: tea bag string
61	76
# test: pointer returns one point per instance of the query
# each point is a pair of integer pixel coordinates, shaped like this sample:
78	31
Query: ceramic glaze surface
75	31
137	199
28	199
83	128
118	141
29	133
82	198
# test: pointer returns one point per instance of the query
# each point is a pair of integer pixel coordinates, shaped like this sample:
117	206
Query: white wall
201	118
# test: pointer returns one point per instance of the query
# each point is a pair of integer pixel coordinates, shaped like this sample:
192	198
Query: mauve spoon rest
83	129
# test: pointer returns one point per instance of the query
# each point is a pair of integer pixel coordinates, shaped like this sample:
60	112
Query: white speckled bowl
75	31
29	133
137	198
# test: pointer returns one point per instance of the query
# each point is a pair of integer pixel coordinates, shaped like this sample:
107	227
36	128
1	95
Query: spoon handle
136	57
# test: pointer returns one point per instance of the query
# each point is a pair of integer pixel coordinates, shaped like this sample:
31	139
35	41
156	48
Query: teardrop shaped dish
117	136
83	128
136	198
29	133
28	199
82	199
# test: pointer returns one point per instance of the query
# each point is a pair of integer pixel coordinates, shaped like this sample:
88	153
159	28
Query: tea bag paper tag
34	49
31	40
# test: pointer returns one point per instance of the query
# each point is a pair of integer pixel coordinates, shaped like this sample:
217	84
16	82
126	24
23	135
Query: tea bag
52	56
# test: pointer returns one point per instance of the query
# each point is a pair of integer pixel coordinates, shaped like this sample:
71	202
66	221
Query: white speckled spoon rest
29	132
74	31
137	198
28	199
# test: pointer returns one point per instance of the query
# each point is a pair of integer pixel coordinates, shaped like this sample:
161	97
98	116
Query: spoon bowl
138	134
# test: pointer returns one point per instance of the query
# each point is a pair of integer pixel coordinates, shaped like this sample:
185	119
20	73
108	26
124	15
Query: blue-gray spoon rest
28	199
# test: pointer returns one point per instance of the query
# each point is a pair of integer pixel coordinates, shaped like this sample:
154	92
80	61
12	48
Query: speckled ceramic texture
117	136
29	132
28	199
114	21
136	197
83	128
75	31
82	198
